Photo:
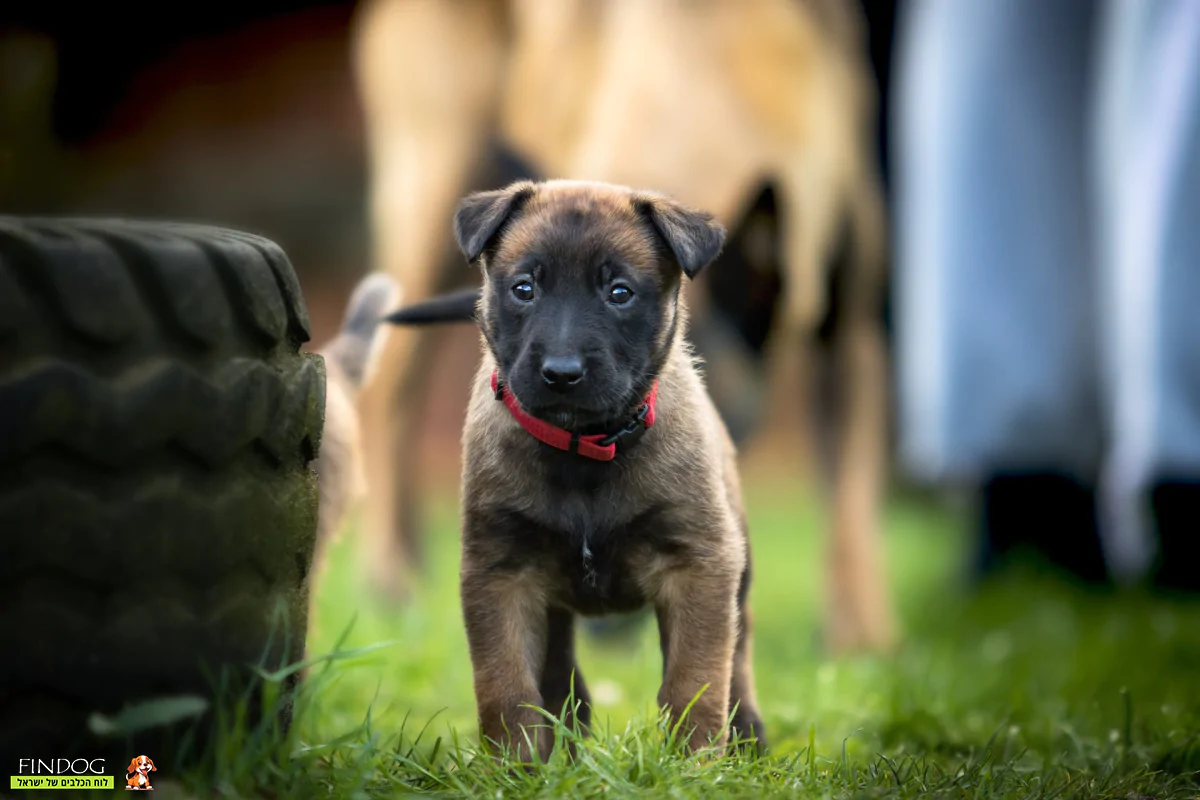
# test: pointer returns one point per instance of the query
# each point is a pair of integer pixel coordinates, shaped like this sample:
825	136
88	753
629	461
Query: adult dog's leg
427	75
817	212
861	616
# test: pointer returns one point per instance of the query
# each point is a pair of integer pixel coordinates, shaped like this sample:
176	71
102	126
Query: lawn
1026	688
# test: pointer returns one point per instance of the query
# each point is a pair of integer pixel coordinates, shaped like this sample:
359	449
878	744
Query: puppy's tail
456	306
356	346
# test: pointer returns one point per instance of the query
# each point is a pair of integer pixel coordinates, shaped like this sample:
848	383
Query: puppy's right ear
132	768
481	215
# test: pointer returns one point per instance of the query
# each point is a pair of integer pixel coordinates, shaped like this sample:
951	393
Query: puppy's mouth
601	407
579	418
569	418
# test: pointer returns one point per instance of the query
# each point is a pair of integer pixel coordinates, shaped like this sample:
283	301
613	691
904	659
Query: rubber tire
158	507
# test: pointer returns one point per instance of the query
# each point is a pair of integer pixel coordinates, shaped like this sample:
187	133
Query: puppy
598	476
137	774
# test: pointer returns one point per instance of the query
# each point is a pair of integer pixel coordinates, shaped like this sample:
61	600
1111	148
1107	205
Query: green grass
1024	689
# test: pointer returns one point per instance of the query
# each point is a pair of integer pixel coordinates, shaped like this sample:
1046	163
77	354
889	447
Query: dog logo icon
137	774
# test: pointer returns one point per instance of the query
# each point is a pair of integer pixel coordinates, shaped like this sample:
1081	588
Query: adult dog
718	104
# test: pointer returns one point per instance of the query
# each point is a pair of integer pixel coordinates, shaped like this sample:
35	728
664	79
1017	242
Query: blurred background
241	114
1041	290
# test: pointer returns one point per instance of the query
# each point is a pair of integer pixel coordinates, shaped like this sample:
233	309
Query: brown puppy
583	322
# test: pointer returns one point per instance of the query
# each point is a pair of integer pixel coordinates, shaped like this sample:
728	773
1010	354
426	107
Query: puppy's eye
620	294
523	291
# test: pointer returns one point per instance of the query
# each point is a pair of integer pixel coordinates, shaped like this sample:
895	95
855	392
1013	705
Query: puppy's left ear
694	237
152	767
481	215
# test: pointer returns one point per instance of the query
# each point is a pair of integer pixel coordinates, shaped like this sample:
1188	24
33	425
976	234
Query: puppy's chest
595	567
598	574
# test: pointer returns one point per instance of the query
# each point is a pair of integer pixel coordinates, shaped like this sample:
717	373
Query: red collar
600	446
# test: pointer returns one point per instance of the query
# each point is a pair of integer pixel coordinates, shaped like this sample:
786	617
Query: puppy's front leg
697	621
505	615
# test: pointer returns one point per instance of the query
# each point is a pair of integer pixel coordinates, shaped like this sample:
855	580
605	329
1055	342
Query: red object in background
102	47
239	115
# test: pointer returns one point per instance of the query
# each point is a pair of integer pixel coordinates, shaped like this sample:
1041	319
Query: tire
157	500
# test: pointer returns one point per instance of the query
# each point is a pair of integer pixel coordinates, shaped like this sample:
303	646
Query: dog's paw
748	734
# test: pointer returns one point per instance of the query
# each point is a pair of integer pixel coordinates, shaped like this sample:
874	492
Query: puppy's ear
694	237
152	767
132	766
481	215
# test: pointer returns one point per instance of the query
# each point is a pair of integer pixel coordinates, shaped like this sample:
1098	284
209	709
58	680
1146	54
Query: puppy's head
581	290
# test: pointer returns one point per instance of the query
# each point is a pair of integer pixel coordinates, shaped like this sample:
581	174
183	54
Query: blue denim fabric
1047	208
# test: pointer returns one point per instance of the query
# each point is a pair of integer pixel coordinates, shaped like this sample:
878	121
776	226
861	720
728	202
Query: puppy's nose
562	372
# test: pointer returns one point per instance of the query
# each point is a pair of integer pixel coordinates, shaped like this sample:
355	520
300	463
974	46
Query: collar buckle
634	425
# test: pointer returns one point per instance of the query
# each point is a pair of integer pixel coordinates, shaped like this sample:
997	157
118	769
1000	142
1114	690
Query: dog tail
456	306
356	346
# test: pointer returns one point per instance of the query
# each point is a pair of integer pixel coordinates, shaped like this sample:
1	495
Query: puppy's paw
748	734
